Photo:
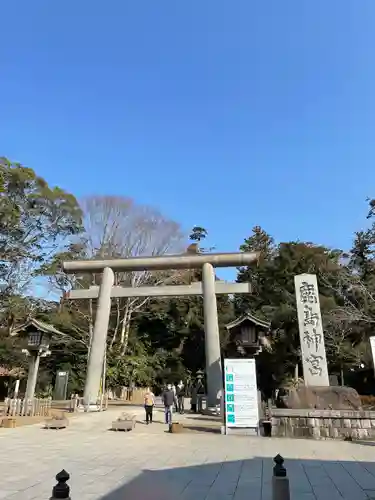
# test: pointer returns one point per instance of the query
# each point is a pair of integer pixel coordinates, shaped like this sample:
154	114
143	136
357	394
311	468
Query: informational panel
372	344
241	395
314	361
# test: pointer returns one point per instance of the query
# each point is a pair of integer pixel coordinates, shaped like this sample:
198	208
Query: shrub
368	401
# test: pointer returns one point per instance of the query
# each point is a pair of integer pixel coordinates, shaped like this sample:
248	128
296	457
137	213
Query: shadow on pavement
364	443
209	420
252	479
202	428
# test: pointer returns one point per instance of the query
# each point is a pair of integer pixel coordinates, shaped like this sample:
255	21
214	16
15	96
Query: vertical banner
313	351
241	394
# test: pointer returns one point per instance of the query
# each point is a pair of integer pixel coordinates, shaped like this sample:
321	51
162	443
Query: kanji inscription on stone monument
313	352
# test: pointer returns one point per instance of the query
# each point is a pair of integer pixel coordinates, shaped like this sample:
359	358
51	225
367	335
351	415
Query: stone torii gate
208	288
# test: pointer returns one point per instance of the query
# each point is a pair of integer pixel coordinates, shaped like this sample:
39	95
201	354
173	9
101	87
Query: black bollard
280	482
61	490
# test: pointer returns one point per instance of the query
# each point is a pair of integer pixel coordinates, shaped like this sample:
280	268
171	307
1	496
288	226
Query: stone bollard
61	490
280	483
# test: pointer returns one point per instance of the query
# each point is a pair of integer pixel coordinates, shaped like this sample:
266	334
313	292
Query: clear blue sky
225	114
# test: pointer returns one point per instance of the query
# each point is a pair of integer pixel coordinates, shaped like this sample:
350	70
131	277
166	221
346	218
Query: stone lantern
37	336
200	381
200	375
247	336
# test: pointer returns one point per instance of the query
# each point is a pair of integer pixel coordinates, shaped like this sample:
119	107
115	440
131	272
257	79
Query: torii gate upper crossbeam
182	261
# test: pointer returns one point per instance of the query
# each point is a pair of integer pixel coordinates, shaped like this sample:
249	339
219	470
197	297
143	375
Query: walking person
168	401
149	405
181	397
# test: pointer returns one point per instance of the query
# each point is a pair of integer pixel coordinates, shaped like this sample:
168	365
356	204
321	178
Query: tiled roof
249	317
38	325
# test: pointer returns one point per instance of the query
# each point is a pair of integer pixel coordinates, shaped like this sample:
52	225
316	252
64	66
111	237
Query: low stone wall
323	424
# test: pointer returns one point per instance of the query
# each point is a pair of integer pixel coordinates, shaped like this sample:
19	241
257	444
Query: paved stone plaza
150	464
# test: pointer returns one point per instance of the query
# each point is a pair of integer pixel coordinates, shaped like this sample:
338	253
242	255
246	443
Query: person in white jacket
175	397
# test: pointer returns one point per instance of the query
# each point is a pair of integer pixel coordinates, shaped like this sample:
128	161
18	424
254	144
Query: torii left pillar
99	340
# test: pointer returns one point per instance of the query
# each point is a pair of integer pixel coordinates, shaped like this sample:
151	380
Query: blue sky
226	114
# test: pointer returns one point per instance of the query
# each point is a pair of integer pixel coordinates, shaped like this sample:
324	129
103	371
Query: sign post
241	395
61	386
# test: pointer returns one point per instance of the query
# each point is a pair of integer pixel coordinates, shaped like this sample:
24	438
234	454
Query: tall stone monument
313	352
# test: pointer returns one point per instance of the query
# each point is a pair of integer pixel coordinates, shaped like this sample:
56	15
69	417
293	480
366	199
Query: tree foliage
36	220
347	300
198	233
157	340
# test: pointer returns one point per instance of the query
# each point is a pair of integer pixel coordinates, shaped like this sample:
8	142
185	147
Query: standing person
131	390
175	397
181	397
168	400
149	405
194	398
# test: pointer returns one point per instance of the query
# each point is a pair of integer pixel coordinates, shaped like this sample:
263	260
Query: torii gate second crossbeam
221	288
208	288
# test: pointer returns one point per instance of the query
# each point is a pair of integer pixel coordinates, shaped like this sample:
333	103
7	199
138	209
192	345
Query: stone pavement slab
150	463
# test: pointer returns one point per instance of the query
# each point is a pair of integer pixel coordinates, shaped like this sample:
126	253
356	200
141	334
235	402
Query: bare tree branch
356	301
116	227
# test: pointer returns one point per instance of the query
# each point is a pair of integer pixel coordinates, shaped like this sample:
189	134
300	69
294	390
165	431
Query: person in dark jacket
194	399
168	401
180	397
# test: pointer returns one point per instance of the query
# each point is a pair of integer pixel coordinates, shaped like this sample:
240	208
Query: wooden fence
128	395
75	403
27	407
42	407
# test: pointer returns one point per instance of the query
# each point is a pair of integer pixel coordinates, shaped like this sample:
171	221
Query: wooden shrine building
247	336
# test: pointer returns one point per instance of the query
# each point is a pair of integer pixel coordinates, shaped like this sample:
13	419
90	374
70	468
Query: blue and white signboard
241	393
